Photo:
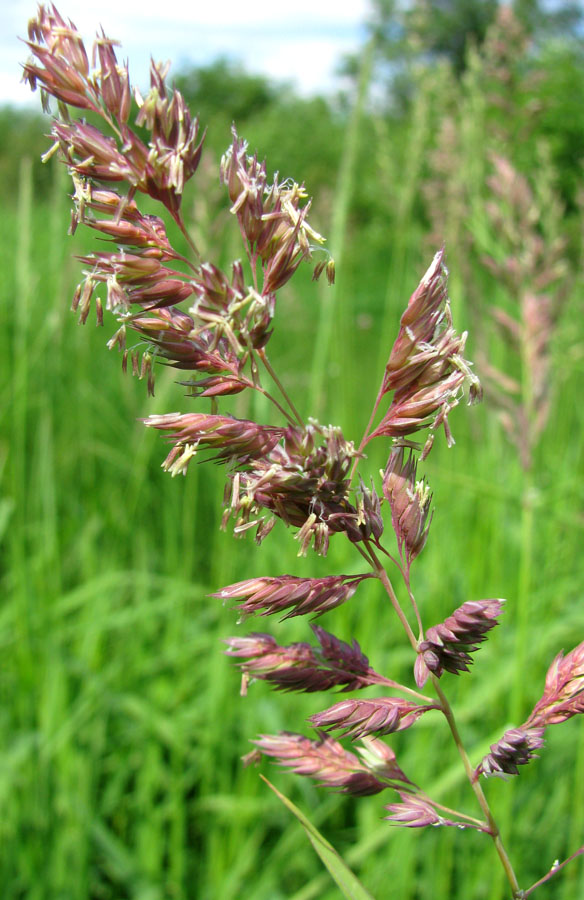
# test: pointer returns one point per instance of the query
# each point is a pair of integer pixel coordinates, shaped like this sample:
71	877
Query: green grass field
122	725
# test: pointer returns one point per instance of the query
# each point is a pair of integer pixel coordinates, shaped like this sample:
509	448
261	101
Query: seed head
64	66
270	216
369	510
173	334
302	596
447	646
409	501
236	440
426	368
304	482
326	760
516	748
563	696
358	718
160	168
418	811
413	812
301	667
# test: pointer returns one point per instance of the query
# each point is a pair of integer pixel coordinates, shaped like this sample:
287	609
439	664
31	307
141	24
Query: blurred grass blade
338	232
346	880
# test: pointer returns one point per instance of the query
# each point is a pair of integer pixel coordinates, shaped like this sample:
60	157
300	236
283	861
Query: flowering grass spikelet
357	718
324	759
516	748
302	667
426	368
447	646
417	811
302	596
409	501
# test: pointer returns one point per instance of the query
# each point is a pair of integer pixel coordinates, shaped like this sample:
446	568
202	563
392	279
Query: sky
300	43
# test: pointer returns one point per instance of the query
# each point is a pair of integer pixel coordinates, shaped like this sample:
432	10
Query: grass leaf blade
347	881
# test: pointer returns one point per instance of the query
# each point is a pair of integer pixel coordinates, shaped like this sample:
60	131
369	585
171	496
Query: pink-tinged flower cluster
326	760
381	715
426	369
535	269
174	146
409	500
240	315
516	748
228	321
126	224
563	697
137	278
302	667
302	596
64	65
447	646
159	168
235	440
304	481
418	811
174	337
270	216
369	511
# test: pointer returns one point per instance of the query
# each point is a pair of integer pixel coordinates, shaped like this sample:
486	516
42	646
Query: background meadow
121	724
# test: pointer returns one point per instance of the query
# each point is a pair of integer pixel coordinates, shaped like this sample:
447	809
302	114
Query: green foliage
445	29
350	886
273	118
561	120
22	134
224	91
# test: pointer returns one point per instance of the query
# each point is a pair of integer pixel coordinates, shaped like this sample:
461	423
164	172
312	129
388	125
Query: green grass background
121	724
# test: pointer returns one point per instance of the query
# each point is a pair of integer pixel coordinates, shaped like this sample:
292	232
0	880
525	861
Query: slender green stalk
368	428
263	356
523	597
384	578
20	396
185	232
338	230
493	829
478	791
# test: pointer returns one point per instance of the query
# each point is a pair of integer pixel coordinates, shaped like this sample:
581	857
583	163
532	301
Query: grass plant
122	723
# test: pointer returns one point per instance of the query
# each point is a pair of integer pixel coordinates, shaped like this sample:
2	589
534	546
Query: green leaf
346	880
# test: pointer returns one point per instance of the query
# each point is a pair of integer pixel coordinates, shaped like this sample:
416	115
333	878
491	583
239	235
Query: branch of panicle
303	481
448	645
534	268
426	368
303	667
326	760
300	596
228	323
563	698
